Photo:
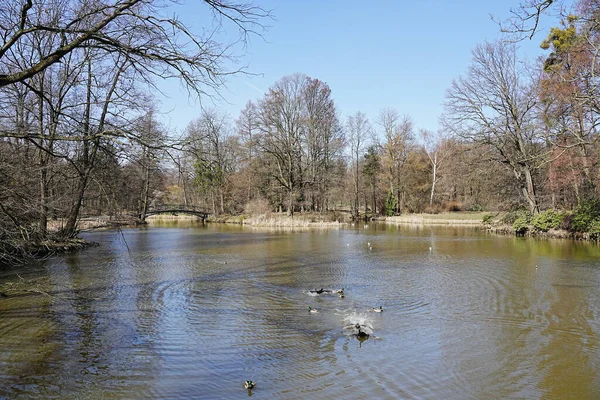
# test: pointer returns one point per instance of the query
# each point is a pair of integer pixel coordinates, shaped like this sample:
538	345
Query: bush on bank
583	222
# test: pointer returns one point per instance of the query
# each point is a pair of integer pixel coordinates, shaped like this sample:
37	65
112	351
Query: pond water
190	311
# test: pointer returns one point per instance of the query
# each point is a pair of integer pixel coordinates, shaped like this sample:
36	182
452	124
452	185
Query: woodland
80	133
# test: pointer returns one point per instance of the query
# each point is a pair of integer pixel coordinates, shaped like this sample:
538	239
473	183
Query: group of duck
361	331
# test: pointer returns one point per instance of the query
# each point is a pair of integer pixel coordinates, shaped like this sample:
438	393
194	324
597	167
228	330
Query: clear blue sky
398	54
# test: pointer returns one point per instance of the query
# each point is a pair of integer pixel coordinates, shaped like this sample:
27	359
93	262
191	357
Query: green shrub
594	229
521	224
510	217
390	204
488	219
584	215
546	220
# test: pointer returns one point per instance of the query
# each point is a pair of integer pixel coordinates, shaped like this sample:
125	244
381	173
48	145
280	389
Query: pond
191	311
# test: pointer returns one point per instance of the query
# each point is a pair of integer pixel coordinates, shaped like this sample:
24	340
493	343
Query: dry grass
447	218
284	221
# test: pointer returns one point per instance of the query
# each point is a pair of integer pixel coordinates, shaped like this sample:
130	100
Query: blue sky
397	54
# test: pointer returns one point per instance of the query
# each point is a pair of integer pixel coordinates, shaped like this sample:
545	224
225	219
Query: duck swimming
329	291
312	310
360	333
380	309
249	384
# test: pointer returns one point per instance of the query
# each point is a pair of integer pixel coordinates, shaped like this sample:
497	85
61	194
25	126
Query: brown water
193	312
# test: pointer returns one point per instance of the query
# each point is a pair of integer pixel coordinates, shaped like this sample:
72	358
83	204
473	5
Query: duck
380	309
249	384
312	310
360	333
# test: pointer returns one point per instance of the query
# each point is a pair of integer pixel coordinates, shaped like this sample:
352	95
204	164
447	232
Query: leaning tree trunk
528	190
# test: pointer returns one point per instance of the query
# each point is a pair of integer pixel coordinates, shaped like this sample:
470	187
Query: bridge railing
180	207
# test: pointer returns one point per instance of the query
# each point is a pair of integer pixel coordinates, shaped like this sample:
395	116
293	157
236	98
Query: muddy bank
18	254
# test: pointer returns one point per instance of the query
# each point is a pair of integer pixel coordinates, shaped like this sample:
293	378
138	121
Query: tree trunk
434	163
70	226
145	194
43	218
529	191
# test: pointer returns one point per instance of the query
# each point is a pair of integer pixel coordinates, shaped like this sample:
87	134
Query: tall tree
247	130
570	105
371	171
493	106
149	154
398	137
437	149
358	131
324	141
283	129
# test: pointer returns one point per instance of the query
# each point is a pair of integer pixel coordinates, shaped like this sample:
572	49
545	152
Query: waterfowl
318	291
359	332
380	309
249	384
312	310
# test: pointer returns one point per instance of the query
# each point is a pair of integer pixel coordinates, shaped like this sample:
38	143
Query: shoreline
47	248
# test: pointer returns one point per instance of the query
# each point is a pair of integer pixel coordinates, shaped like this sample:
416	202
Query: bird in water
360	333
380	309
312	310
249	384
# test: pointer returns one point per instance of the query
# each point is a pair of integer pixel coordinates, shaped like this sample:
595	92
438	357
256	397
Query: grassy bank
447	218
299	220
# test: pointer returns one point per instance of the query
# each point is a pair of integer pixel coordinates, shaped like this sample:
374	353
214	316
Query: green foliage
585	214
510	217
521	224
488	219
208	174
594	229
390	204
546	220
372	164
560	41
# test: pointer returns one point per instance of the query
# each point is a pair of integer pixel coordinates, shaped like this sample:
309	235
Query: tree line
80	134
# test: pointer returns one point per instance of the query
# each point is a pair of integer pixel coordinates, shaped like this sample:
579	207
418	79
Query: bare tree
493	106
398	136
526	17
163	45
247	130
282	128
358	131
324	141
148	152
437	149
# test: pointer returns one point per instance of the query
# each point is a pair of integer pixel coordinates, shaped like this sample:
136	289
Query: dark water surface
192	312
